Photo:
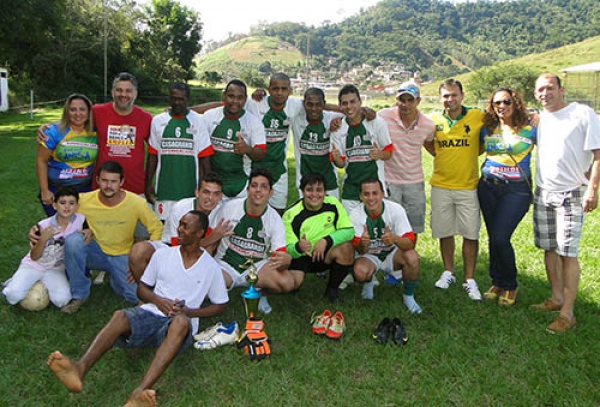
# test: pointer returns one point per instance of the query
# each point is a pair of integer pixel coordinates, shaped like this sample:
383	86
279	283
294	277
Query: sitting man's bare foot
146	398
66	371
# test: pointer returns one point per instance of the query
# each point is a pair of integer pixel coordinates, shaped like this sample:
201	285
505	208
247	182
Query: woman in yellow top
504	189
68	156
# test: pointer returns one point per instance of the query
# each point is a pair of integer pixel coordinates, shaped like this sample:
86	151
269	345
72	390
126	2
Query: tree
265	67
171	40
519	77
211	78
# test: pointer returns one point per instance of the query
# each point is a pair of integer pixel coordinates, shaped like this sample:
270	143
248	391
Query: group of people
216	175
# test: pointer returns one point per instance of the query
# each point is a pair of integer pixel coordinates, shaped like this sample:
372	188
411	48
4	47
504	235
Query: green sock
409	286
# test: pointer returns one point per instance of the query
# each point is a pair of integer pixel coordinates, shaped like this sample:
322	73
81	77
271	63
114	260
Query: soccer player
312	141
238	138
318	235
257	233
384	241
360	146
174	286
179	152
277	111
454	203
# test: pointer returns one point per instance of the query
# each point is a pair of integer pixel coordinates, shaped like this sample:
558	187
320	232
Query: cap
408	88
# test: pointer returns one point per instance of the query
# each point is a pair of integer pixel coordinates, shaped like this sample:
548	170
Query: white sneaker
349	279
223	335
472	290
446	280
264	306
208	332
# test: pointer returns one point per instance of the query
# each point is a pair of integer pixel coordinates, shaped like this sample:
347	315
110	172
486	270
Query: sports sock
264	306
337	273
411	304
367	289
409	286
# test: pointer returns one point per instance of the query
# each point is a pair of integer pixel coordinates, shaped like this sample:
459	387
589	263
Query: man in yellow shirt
454	203
112	214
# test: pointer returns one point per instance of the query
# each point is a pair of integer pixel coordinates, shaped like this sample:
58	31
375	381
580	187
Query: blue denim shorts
149	329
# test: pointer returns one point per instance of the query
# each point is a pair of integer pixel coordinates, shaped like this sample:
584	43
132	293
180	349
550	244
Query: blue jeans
78	256
503	205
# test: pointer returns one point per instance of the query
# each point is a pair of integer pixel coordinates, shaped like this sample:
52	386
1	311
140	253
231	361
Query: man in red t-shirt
122	130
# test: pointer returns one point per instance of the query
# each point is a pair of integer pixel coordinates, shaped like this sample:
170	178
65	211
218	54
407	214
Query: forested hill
440	38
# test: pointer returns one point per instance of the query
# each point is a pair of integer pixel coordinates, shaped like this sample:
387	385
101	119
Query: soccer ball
37	298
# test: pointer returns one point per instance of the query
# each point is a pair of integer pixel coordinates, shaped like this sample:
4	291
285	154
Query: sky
236	16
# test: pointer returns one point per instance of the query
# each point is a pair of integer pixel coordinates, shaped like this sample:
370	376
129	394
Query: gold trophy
251	296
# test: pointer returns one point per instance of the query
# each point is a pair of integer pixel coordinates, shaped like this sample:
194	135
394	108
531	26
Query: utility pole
307	60
105	7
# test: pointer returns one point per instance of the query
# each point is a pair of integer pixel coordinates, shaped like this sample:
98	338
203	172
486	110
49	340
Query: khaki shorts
412	199
454	212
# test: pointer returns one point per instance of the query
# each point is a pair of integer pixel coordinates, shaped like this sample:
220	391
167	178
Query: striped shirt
404	167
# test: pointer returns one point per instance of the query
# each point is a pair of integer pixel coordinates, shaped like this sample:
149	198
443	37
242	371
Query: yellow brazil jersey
457	146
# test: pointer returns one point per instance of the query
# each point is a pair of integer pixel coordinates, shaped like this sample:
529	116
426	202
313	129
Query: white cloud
236	16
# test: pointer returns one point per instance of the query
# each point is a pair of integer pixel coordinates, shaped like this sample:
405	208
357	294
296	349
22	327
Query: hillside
436	38
248	54
549	61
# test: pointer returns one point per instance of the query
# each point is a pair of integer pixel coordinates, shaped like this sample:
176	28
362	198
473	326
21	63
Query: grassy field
460	353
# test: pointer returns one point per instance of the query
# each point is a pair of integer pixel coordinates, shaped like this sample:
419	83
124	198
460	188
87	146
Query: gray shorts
149	330
558	221
412	199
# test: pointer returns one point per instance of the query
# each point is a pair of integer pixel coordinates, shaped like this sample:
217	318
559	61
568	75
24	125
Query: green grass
460	353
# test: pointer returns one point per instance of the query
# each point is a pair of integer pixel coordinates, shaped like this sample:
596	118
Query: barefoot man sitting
173	287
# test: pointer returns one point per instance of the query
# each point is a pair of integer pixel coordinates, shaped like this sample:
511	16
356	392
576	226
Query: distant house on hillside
582	84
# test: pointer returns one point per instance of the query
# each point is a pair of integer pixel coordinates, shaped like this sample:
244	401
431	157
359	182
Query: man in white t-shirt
567	175
174	286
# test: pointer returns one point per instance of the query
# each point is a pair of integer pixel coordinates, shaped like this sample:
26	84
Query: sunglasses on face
507	102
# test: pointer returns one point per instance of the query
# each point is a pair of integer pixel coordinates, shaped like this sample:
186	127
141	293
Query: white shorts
350	204
454	212
163	209
386	265
239	279
280	193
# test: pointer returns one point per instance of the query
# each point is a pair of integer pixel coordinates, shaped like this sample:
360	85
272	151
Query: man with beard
112	214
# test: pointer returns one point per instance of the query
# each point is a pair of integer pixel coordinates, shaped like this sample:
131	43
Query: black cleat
382	333
398	332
